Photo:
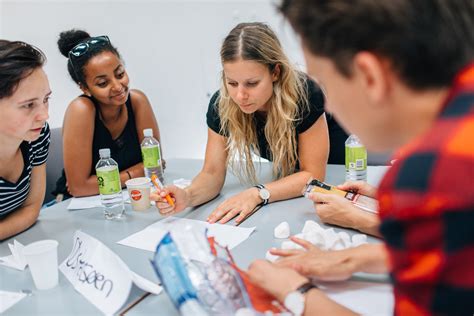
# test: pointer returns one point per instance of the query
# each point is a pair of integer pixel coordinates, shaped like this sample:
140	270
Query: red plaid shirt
427	212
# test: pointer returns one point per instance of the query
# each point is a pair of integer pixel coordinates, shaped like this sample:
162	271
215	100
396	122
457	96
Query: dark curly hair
68	40
17	61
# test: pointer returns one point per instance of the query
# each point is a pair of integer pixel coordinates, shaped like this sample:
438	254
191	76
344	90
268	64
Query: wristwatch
295	300
263	193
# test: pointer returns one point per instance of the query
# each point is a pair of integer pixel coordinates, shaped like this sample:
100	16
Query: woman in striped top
24	135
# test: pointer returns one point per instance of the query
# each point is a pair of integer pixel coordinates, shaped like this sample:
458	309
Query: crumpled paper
282	230
325	239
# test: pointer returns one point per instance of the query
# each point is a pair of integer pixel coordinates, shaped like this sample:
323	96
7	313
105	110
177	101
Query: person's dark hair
68	40
427	41
17	61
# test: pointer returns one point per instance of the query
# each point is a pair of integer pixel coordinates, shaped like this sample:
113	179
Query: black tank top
125	149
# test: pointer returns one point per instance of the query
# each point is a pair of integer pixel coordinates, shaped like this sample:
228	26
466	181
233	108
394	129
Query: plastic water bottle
356	159
108	178
151	155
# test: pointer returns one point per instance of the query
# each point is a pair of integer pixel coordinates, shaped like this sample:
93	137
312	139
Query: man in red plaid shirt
400	75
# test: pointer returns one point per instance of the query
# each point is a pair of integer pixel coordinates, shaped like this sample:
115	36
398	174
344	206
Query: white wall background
171	51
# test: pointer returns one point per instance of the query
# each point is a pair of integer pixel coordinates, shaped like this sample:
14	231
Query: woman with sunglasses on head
265	106
108	114
24	135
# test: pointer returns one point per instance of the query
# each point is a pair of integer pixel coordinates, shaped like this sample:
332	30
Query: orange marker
157	183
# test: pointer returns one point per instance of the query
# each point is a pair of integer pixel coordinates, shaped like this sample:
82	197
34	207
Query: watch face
264	194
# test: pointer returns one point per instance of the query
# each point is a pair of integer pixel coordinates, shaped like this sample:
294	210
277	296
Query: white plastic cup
42	258
139	192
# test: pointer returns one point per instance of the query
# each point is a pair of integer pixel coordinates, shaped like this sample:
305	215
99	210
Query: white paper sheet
8	299
100	275
148	238
16	260
365	298
90	202
145	284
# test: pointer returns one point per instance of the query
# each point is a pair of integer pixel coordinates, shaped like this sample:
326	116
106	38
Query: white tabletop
58	223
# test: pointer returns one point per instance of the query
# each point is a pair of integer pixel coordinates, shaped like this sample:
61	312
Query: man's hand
316	263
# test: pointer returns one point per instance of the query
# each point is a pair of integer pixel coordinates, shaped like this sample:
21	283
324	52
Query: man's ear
276	73
85	90
373	72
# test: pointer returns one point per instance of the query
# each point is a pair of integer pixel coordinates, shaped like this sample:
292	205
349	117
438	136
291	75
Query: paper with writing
99	274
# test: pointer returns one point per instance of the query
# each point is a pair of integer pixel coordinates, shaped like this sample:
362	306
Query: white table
60	224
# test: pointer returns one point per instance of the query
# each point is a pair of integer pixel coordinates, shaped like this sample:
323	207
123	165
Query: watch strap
306	287
295	301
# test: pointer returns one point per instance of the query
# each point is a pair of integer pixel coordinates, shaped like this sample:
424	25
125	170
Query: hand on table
178	195
276	280
317	263
240	204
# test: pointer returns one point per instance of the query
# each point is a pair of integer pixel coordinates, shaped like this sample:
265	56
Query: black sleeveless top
125	149
308	116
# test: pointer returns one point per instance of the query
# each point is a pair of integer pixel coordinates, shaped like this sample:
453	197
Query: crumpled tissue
325	239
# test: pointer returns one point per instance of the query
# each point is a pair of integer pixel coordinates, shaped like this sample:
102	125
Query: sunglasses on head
82	48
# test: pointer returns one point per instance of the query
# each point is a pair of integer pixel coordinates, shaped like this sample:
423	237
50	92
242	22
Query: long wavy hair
257	42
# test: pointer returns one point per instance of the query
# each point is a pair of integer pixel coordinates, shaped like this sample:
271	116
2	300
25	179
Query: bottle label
151	157
356	158
108	180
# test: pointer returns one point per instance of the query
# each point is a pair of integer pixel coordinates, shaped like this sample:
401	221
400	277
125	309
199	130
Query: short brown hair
17	61
427	41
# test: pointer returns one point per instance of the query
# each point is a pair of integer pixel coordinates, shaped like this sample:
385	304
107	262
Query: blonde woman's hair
257	42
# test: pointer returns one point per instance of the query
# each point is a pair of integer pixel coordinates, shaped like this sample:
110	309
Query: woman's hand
316	263
276	280
240	204
178	195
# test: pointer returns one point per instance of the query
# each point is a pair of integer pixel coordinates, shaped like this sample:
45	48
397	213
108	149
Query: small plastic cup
42	258
139	192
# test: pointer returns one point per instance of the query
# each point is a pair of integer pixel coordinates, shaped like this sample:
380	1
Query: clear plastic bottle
151	155
356	159
108	178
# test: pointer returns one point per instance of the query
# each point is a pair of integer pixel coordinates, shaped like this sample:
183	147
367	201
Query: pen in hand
157	183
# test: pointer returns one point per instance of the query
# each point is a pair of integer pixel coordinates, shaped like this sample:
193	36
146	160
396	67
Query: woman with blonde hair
264	107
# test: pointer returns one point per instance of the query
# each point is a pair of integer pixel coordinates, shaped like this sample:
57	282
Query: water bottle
173	273
356	159
151	155
108	178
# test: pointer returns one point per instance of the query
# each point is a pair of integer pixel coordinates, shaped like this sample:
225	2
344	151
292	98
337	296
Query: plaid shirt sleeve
427	212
